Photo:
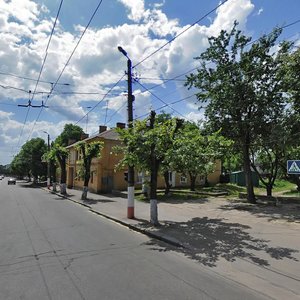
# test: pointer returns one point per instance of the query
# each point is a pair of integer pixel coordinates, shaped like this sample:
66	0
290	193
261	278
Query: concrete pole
130	189
48	166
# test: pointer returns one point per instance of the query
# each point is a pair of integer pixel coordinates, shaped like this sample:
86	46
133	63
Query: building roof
110	134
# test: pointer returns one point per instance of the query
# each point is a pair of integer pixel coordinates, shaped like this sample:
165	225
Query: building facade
105	178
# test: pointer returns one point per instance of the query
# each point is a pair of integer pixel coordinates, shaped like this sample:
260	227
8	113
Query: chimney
121	125
102	128
71	141
84	136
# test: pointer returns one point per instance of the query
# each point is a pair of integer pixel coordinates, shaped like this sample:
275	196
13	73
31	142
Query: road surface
51	248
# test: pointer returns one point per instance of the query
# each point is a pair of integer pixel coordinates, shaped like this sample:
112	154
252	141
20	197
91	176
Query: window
201	178
170	177
140	176
92	176
183	179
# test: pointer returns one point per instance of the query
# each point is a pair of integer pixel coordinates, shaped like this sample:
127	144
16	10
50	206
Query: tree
149	140
242	89
89	151
29	159
70	133
60	154
19	166
290	72
194	153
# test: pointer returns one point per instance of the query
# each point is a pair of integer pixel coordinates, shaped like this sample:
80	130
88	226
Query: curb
150	234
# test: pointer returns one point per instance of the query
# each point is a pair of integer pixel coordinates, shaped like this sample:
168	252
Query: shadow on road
31	185
95	201
208	240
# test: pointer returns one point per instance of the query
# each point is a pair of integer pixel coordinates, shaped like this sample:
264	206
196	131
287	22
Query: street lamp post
48	163
130	189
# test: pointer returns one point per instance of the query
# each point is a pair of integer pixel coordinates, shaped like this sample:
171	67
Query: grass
233	190
294	193
280	185
174	196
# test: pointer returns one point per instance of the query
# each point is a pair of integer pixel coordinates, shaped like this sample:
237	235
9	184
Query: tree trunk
86	184
84	193
153	178
167	183
193	182
63	175
269	190
153	195
296	180
63	188
248	175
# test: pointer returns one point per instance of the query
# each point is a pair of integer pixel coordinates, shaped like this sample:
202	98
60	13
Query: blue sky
140	27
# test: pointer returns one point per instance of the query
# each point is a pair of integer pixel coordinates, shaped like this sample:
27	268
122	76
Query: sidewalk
254	245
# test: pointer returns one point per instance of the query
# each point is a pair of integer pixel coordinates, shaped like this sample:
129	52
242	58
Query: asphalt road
51	248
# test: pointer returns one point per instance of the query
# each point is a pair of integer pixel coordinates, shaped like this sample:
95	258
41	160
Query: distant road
51	248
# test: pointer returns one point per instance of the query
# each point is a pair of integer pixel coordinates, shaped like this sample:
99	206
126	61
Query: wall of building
105	178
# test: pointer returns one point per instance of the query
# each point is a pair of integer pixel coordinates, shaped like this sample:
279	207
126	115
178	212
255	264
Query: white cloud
136	8
230	11
96	65
195	117
24	11
260	11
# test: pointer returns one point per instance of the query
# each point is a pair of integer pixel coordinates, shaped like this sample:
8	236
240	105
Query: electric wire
108	92
66	64
46	52
179	34
167	80
161	107
45	57
76	46
175	78
28	78
155	96
120	108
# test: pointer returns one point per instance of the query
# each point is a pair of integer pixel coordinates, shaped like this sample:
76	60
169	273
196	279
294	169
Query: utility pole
130	189
48	163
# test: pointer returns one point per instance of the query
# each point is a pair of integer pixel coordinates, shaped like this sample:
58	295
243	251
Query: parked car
11	181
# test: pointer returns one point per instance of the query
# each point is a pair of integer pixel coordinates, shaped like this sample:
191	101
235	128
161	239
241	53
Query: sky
78	74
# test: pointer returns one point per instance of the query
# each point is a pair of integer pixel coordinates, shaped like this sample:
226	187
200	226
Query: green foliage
89	151
70	132
194	153
291	76
58	150
29	160
243	88
140	138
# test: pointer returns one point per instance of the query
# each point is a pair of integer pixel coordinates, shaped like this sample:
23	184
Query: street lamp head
122	51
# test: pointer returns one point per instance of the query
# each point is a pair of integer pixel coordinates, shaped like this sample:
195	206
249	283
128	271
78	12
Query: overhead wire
44	60
161	107
194	68
181	33
28	78
155	96
66	64
101	99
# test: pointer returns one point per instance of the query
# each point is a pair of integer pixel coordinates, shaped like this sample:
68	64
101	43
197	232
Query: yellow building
104	178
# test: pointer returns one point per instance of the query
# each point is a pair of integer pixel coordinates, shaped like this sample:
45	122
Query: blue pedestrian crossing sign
293	166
